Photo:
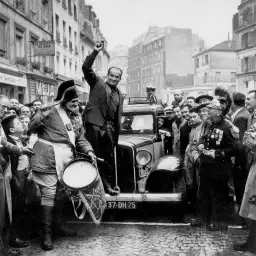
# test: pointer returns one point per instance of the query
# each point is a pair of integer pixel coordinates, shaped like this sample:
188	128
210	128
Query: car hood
135	140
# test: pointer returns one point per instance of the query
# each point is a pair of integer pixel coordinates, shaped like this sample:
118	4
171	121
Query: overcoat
248	207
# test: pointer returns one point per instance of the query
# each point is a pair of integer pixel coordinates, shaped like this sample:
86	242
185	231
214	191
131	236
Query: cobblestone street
127	240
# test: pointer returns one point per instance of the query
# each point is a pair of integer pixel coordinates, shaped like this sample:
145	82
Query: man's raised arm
89	74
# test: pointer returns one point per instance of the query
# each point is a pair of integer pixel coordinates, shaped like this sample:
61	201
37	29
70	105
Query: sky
121	21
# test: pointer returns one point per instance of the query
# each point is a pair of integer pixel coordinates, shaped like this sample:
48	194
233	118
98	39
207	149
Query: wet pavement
119	239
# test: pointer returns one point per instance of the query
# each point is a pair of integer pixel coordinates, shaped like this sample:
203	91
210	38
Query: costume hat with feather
224	96
67	91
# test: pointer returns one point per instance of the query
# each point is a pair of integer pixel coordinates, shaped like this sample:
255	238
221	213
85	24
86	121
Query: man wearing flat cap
60	133
217	146
151	91
205	98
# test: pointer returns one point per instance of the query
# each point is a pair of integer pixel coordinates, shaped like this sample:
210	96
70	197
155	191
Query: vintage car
143	172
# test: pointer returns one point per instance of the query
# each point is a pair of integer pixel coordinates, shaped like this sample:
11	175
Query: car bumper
172	197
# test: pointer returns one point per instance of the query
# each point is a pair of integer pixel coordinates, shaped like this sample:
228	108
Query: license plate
121	205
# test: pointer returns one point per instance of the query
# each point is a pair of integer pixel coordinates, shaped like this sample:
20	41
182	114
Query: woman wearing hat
60	132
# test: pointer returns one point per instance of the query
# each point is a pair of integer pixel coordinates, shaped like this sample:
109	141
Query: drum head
79	174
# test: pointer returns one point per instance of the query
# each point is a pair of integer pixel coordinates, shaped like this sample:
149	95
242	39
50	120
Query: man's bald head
5	104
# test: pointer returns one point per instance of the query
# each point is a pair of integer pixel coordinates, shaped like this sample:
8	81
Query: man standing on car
102	116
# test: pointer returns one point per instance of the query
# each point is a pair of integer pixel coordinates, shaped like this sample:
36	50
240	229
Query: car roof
142	108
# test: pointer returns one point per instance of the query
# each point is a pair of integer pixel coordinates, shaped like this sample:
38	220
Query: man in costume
60	133
217	146
6	149
102	117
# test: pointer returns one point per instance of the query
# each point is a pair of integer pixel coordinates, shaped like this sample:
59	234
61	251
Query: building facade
244	30
215	67
162	57
22	74
89	33
152	66
66	34
134	71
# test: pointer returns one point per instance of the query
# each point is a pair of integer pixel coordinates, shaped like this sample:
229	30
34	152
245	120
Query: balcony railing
70	46
57	36
65	41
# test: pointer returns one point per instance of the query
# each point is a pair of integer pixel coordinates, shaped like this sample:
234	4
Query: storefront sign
13	80
44	48
44	89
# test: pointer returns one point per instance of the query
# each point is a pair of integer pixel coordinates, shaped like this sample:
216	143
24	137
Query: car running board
146	197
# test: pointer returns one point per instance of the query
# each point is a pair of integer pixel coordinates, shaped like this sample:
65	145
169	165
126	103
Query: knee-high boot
59	228
46	222
250	243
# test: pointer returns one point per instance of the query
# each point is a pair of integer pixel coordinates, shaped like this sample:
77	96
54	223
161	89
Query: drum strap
81	216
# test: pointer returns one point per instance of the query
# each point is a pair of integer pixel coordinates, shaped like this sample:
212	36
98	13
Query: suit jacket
184	137
241	121
96	108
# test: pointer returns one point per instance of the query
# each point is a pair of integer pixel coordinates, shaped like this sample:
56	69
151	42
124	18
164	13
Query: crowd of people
215	138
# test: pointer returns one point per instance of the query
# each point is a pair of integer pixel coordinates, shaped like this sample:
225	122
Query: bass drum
83	185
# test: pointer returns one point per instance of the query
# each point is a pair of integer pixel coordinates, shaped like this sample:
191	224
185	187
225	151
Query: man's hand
45	110
200	148
92	156
27	151
99	46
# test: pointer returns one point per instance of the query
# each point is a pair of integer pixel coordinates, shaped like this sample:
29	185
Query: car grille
125	168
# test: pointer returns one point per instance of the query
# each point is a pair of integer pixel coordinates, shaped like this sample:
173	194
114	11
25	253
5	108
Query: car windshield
137	124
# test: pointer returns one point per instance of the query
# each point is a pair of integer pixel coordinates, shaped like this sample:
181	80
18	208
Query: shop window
19	43
3	39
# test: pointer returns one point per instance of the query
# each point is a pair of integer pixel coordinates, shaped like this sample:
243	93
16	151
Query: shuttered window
3	39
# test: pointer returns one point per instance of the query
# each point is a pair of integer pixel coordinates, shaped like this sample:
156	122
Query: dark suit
240	172
102	135
18	183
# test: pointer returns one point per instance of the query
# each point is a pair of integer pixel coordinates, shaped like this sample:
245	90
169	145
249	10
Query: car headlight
143	157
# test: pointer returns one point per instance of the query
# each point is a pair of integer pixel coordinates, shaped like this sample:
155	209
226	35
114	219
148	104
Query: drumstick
50	105
97	158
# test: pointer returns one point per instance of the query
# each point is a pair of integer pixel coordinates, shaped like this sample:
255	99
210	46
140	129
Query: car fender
167	163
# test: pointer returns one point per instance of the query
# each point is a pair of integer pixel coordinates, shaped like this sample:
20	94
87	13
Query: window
45	10
65	65
64	34
19	43
245	38
58	62
3	42
197	62
233	77
218	76
205	78
70	66
33	38
75	12
83	52
64	4
69	7
76	70
70	38
206	59
19	4
57	21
